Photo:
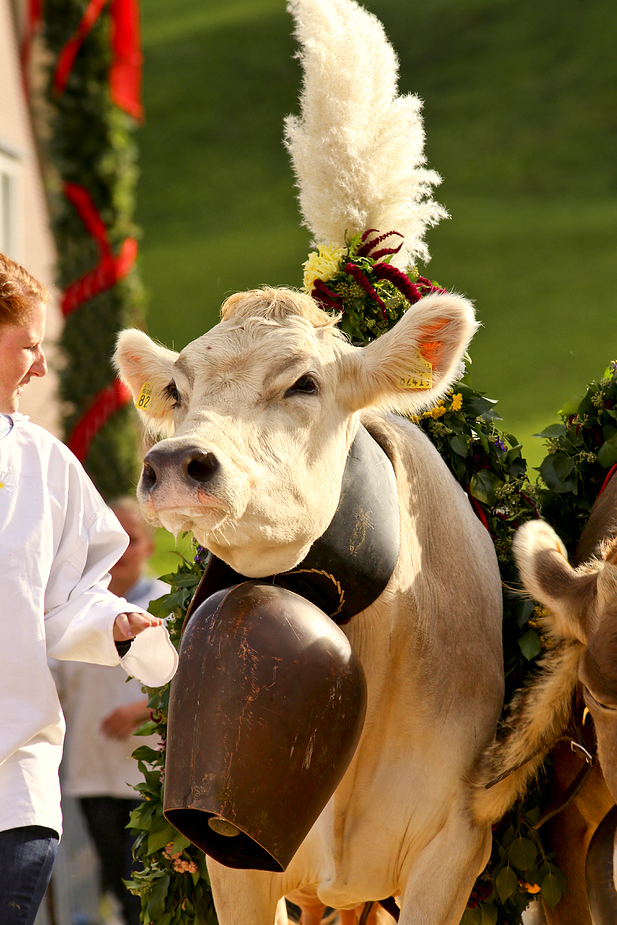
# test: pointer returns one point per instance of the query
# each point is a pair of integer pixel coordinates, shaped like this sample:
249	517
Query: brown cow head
582	606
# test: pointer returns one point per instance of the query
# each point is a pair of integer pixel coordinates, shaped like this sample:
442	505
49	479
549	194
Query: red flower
365	283
398	279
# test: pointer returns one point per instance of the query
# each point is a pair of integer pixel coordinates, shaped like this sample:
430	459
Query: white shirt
94	764
58	540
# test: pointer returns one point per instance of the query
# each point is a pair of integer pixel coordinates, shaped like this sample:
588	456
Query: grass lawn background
520	107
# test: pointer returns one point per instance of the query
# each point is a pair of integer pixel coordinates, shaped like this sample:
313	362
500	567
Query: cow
578	677
256	419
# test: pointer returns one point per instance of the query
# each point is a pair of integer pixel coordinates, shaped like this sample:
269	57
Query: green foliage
170	874
582	448
91	144
519	869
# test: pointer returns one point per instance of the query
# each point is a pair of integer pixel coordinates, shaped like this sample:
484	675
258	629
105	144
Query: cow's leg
245	896
442	876
312	914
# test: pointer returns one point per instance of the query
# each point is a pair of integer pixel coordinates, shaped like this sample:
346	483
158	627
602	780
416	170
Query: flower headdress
358	154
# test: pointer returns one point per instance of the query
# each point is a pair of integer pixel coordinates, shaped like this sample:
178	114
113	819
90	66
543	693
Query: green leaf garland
91	144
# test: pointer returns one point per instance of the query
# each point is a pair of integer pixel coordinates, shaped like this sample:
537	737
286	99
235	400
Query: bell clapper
222	827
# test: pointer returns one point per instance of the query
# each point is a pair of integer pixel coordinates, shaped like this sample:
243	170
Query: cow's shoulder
408	448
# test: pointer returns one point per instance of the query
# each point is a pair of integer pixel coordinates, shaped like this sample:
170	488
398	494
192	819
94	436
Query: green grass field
521	122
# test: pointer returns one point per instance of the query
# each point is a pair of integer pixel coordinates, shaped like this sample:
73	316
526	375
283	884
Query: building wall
24	219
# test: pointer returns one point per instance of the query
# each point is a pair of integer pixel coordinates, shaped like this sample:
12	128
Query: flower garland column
94	95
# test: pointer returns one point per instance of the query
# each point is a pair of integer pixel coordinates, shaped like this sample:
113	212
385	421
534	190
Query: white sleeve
79	609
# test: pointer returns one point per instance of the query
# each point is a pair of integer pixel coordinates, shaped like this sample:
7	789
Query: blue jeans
27	857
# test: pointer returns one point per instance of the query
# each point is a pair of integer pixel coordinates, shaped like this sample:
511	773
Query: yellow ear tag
421	377
145	403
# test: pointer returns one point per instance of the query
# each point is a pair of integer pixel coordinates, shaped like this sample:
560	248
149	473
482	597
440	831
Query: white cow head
259	413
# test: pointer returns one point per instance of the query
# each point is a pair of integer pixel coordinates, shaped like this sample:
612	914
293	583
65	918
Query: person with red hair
58	541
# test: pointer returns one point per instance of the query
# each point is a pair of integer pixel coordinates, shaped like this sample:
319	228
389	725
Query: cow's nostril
148	477
202	466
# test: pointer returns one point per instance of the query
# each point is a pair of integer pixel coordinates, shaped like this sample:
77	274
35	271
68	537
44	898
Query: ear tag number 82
144	397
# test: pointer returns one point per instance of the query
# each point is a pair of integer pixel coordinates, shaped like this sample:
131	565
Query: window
10	169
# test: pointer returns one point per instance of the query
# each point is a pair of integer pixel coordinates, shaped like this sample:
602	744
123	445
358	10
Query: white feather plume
358	147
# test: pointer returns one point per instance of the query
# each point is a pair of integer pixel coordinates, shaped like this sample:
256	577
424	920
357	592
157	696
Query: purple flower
200	555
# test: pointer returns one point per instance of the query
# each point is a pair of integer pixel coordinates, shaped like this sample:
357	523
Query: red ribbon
106	403
110	268
67	56
125	71
478	509
611	473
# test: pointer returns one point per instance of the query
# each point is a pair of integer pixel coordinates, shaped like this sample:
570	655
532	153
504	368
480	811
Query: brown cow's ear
413	365
567	593
147	368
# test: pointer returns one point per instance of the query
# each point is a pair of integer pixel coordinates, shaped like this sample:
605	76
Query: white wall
28	240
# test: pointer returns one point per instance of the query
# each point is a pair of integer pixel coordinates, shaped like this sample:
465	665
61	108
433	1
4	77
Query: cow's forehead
259	344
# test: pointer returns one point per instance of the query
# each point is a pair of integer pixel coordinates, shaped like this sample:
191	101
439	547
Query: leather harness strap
571	790
585	750
348	567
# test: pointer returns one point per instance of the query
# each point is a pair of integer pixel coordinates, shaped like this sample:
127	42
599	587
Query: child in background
102	711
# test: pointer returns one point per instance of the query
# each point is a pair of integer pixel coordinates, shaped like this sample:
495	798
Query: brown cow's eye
305	384
172	392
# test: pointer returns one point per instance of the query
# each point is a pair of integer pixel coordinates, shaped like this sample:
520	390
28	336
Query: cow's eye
305	384
172	393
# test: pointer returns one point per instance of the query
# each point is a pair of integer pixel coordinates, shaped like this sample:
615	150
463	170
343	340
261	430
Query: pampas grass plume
358	147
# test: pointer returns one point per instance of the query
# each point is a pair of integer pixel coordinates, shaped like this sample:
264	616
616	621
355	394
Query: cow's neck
349	566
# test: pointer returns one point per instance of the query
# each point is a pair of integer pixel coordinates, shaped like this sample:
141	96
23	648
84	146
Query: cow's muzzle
188	464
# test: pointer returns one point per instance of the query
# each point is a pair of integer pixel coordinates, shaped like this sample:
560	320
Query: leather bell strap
349	566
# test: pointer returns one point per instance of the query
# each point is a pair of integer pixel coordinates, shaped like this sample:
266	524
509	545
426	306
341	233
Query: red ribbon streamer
611	473
478	509
68	54
110	268
106	274
125	71
106	403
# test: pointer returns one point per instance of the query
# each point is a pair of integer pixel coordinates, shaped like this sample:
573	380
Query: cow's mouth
185	519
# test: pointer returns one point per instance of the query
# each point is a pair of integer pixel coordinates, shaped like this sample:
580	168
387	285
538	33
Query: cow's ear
412	365
147	368
568	594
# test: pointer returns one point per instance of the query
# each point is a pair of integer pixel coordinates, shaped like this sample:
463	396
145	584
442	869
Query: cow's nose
190	463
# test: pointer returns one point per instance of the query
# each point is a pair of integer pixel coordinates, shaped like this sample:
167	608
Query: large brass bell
265	713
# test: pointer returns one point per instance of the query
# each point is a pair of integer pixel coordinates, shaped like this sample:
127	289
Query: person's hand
122	721
129	625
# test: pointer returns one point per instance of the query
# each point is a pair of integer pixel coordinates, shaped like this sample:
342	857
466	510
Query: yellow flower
324	263
435	412
457	402
532	887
